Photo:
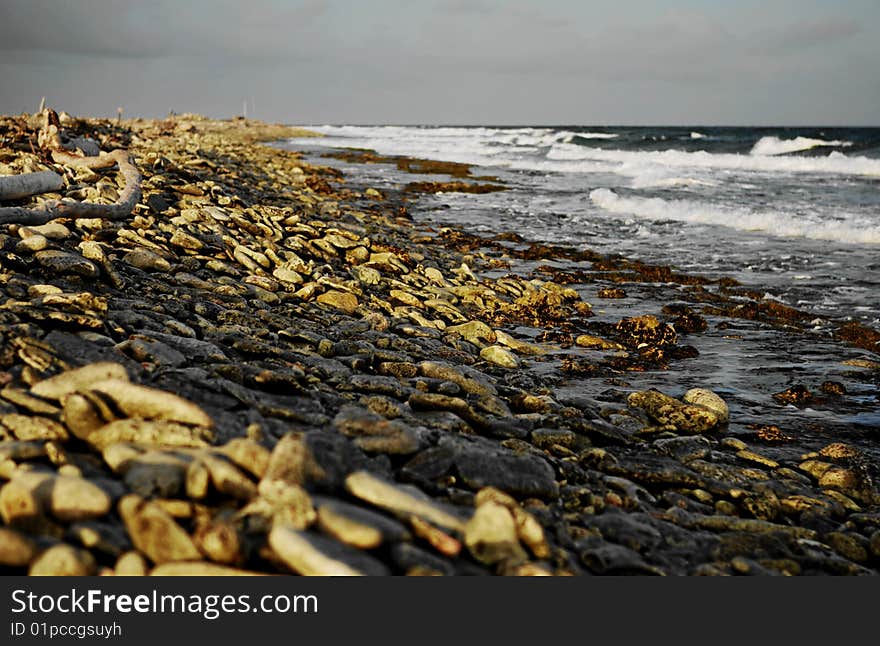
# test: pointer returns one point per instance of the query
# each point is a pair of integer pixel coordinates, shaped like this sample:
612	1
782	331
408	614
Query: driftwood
14	187
49	138
121	209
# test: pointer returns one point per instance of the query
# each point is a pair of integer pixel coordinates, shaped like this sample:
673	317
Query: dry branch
14	187
122	208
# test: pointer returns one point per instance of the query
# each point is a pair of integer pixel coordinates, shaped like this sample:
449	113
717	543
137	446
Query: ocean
793	213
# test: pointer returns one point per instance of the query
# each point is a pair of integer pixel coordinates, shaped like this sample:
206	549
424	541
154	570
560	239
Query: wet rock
665	410
63	560
415	561
685	448
518	475
469	380
797	395
615	560
499	356
710	400
476	332
314	555
154	532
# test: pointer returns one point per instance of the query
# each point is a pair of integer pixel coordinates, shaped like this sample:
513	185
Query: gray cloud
446	60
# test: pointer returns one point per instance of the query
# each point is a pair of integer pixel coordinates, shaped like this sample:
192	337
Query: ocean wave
572	138
697	135
775	146
836	162
551	150
780	224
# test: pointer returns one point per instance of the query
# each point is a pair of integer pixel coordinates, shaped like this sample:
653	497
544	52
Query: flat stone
313	555
16	549
200	568
490	535
499	356
74	498
518	475
26	427
63	560
64	262
71	381
150	403
344	301
357	526
147	432
401	500
710	400
666	410
154	532
146	260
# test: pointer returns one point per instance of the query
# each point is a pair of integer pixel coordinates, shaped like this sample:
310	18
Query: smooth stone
26	427
401	500
499	356
357	526
16	549
518	475
199	568
149	432
687	418
146	260
710	400
130	564
63	262
344	301
154	532
151	403
63	560
490	535
314	555
74	499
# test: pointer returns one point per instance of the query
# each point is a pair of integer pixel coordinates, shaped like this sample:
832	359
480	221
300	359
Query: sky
586	62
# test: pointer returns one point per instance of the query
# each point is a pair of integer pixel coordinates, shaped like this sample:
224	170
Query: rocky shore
267	369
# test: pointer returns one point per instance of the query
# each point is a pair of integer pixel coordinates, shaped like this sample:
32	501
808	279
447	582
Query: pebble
499	356
400	499
491	535
313	555
710	400
154	532
16	549
63	560
687	418
63	262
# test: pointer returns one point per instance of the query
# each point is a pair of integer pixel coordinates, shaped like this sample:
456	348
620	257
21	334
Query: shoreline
291	372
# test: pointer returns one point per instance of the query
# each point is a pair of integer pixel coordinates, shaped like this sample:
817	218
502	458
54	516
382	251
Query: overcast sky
449	61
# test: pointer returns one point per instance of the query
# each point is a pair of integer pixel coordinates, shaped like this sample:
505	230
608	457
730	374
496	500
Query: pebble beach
270	366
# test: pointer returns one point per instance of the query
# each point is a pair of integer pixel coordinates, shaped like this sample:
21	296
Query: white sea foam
775	146
549	150
789	225
697	135
592	135
834	163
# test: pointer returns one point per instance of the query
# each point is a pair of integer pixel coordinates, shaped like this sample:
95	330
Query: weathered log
121	209
14	187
